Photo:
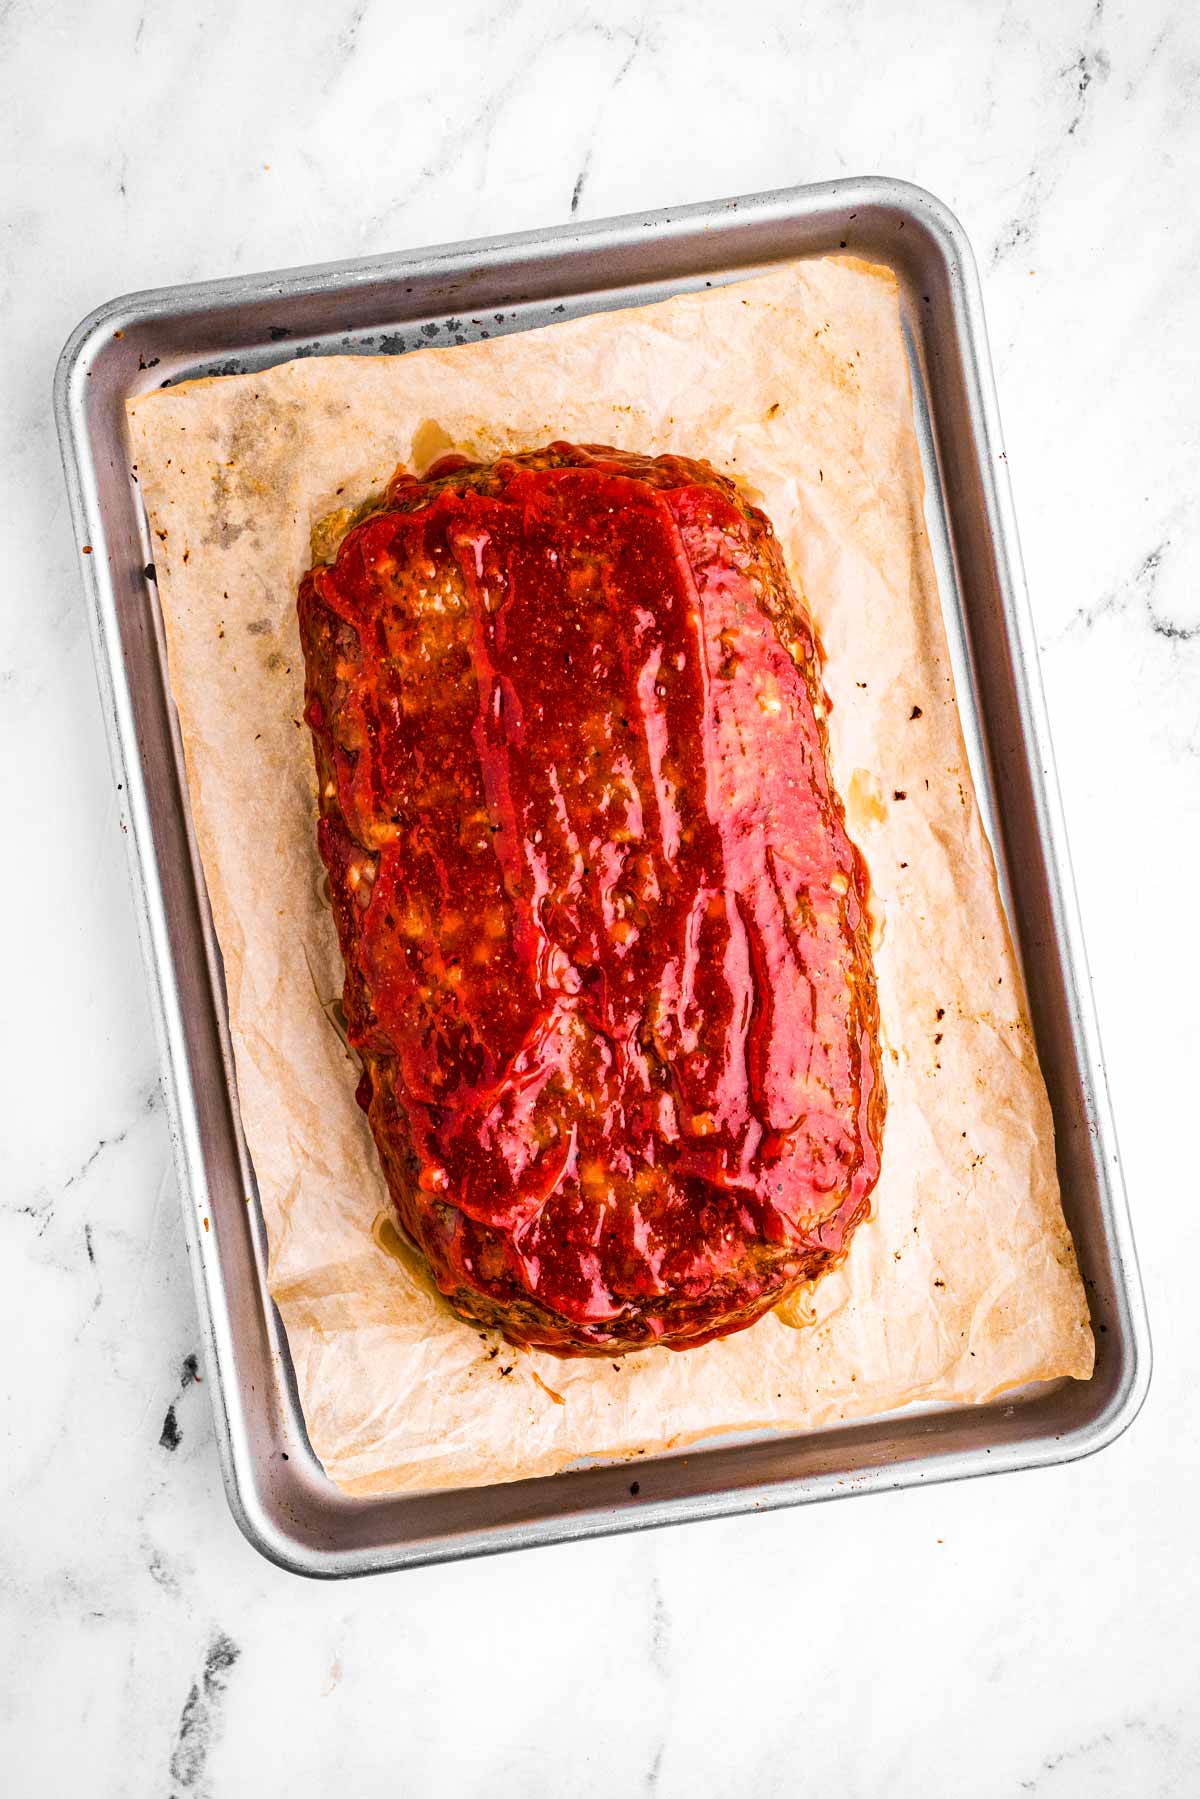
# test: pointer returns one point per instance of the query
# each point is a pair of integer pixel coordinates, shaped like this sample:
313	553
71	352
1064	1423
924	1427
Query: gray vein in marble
481	122
41	1206
660	1629
171	1436
98	1295
1020	227
114	1142
613	87
200	1719
660	1662
1104	1739
164	1182
1151	60
1136	594
577	191
480	127
1089	69
1089	66
40	1209
160	1569
344	45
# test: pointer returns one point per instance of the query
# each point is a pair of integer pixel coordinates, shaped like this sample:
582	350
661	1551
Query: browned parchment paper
964	1282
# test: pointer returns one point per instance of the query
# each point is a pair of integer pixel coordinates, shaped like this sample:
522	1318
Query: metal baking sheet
278	1492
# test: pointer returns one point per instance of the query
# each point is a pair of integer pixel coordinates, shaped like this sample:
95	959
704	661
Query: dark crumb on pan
635	1487
898	793
915	713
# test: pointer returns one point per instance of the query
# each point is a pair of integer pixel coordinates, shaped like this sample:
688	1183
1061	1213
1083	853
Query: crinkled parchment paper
964	1282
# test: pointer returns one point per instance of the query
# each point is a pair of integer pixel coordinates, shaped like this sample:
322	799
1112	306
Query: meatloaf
606	942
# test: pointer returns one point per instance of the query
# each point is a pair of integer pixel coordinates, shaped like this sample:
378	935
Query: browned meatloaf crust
606	938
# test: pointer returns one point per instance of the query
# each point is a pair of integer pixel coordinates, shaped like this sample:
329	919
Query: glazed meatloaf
607	951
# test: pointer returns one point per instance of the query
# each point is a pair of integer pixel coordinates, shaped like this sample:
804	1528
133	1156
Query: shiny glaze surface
605	933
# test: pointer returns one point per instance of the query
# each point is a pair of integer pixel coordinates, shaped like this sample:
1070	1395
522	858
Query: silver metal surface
456	293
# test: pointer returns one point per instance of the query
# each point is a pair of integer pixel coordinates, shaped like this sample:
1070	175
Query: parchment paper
964	1282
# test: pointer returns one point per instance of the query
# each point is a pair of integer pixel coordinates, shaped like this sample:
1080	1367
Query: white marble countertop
1030	1634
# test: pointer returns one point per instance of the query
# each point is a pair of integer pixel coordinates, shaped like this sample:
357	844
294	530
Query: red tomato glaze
605	933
